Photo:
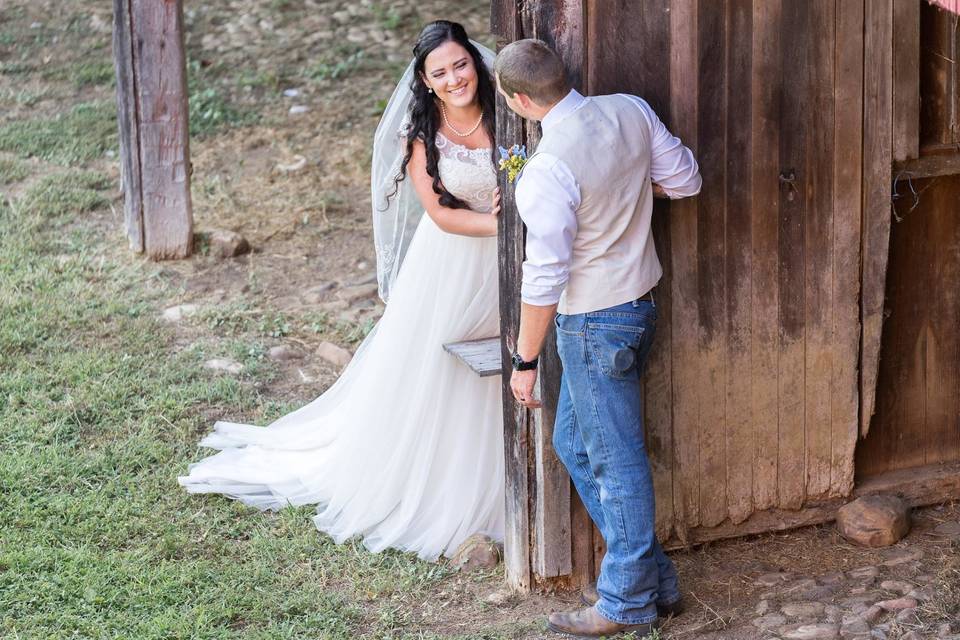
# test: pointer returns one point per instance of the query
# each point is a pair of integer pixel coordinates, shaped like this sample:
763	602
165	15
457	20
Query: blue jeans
598	435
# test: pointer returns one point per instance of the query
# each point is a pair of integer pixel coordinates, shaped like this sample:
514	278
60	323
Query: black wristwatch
519	364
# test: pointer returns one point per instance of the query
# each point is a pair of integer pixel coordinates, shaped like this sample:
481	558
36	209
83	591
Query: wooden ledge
483	356
931	166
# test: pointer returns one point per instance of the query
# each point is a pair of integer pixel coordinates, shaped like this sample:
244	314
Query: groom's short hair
531	67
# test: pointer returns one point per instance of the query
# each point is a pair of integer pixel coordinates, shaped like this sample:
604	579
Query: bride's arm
458	221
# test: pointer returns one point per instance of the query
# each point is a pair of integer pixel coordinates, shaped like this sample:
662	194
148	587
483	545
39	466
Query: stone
763	607
872	614
499	598
357	293
227	244
299	109
864	573
802	609
179	312
874	521
944	629
923	594
334	354
897	605
912	635
899	586
333	305
879	634
832	578
771	579
284	353
224	364
948	530
859	607
769	621
296	165
854	628
477	552
832	613
812	632
907	615
305	377
903	556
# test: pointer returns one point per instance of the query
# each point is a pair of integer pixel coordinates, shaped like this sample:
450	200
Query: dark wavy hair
425	114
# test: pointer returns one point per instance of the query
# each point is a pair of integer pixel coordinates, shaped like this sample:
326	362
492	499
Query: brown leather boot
589	597
588	623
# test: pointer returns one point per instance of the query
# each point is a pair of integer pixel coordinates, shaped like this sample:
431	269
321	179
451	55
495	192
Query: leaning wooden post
154	132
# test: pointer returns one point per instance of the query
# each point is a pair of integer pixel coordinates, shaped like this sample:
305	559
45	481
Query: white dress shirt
548	196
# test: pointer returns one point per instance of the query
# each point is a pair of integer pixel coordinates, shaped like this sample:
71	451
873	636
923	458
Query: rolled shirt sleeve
547	198
672	165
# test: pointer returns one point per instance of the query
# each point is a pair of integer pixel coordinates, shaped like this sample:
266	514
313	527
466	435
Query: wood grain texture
917	421
939	79
929	166
906	79
482	356
845	283
684	313
877	158
766	86
159	64
128	121
711	276
517	449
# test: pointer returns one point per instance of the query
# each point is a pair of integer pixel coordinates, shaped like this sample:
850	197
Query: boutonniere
512	160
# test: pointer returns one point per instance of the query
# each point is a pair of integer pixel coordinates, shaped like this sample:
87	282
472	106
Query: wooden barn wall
917	421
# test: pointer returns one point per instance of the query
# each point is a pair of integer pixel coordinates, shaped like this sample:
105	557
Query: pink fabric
949	5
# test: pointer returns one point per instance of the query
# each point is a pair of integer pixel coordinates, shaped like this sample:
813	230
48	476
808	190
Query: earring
429	90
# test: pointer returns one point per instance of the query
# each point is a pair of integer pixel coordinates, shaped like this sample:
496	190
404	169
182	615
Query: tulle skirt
406	448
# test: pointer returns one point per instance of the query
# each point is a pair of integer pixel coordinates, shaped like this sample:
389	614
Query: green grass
97	418
12	170
83	133
210	109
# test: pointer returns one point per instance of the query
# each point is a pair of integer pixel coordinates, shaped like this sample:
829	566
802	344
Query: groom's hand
522	383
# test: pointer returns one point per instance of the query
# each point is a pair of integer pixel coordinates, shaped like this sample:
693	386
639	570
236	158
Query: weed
335	70
210	111
274	325
84	132
61	194
92	73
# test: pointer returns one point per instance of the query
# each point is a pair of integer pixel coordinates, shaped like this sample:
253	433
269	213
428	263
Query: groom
586	198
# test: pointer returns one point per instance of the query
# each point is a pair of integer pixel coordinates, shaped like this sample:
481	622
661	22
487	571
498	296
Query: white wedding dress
406	448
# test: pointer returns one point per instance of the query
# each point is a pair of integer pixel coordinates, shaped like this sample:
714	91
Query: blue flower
504	153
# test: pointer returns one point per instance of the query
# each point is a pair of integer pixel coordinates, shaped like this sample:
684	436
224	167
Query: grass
83	133
97	418
12	170
210	109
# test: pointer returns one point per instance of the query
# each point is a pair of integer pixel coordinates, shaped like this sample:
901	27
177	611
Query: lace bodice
467	173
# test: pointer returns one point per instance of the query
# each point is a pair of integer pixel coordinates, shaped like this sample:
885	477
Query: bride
405	449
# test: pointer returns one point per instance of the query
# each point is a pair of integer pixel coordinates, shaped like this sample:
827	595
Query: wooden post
153	120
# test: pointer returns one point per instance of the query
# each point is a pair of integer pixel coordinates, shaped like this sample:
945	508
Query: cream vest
606	144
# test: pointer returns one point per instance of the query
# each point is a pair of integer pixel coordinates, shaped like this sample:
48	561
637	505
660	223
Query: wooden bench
483	356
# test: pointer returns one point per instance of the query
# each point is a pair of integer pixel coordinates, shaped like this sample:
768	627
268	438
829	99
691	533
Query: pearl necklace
443	112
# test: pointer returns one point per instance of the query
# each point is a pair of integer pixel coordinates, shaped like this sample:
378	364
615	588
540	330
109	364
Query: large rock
224	364
874	521
334	354
477	552
226	244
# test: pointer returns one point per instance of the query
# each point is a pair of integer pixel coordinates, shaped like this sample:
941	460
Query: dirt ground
255	62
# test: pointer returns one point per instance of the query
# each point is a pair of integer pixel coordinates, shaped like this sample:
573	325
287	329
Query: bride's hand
495	202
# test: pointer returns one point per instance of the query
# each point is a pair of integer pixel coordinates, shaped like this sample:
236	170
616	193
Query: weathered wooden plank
684	313
711	285
906	79
819	244
739	261
583	571
939	79
765	126
128	122
510	127
877	157
920	487
159	64
929	167
560	24
795	180
848	180
482	356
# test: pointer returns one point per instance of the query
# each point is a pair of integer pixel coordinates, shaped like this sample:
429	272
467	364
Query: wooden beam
877	158
153	119
482	356
906	79
928	166
919	486
505	24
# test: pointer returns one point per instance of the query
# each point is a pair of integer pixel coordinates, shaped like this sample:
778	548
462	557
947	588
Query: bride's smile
450	72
